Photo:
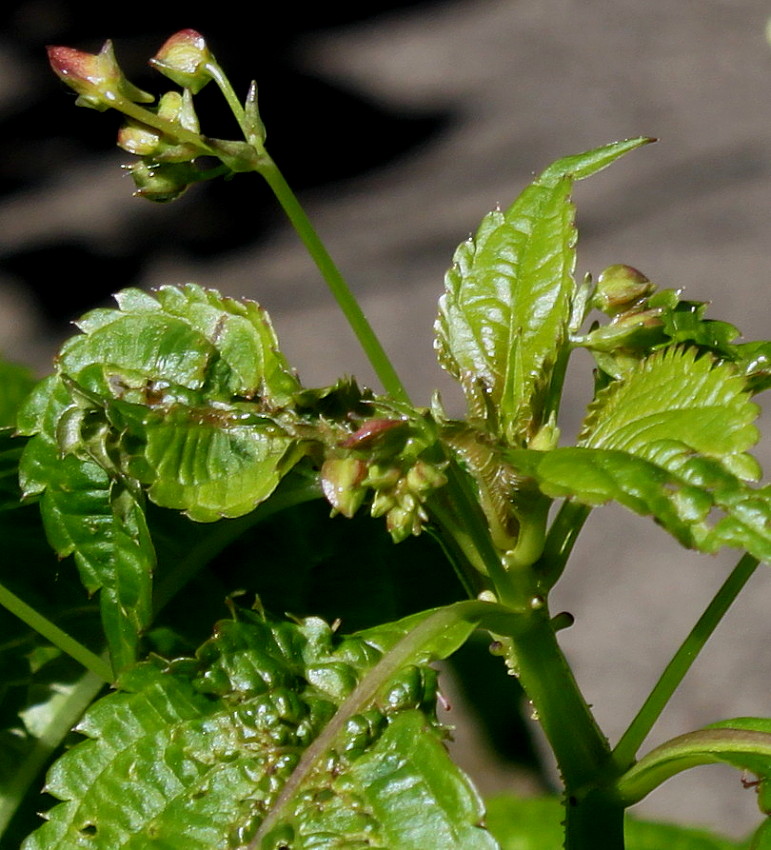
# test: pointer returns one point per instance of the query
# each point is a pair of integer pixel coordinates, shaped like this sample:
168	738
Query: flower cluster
392	461
166	138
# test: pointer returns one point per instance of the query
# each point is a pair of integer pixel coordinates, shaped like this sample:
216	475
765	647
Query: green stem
171	129
59	724
339	288
594	815
234	104
626	749
560	540
51	632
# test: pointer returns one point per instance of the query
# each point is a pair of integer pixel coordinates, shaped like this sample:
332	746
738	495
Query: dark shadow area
323	133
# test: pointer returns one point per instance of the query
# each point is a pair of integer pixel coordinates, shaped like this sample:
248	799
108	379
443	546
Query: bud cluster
627	296
389	460
167	138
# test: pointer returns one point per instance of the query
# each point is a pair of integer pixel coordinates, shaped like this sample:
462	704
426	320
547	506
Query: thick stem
626	749
594	815
596	821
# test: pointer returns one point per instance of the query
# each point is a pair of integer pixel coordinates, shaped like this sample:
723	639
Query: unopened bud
184	58
96	77
142	140
620	288
162	182
423	477
341	481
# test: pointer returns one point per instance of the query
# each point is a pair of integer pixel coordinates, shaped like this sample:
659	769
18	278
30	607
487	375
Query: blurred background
400	125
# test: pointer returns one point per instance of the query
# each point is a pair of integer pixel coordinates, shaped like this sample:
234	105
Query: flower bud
96	77
142	140
341	480
620	288
162	182
183	58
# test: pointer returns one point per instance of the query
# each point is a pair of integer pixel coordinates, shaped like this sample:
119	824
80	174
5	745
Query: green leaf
503	318
277	731
675	396
744	743
93	516
669	441
100	522
187	337
536	824
210	464
694	498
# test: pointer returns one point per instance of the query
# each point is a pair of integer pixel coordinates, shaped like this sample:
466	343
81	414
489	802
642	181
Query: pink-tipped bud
184	58
96	77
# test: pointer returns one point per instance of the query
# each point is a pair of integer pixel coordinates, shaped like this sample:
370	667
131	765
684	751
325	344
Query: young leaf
276	731
694	498
210	463
744	743
503	318
675	396
93	516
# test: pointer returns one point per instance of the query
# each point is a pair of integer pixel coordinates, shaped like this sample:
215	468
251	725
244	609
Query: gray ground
533	80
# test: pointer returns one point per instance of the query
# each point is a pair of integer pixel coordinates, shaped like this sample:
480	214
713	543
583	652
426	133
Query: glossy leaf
99	522
185	336
281	728
744	743
675	396
503	318
694	498
211	464
92	516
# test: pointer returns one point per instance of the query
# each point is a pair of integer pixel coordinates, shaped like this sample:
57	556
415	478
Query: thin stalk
58	637
626	749
561	538
172	129
234	104
345	299
59	724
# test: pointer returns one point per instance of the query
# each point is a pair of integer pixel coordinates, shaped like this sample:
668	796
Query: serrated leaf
185	337
503	318
197	753
694	498
100	523
243	335
211	463
92	516
676	396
